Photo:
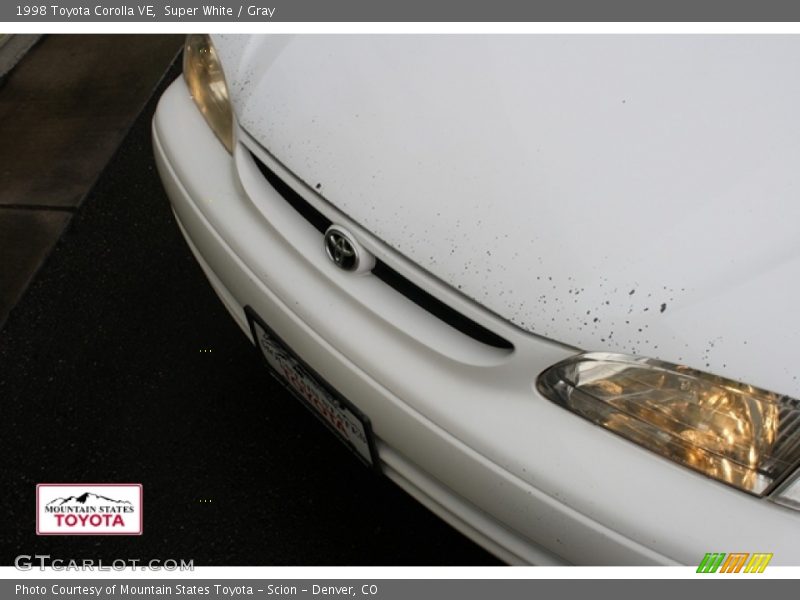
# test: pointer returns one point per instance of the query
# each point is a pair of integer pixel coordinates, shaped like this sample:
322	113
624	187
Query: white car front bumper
459	425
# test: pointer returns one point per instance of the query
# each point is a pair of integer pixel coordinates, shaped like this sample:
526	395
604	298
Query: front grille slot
384	272
295	200
437	308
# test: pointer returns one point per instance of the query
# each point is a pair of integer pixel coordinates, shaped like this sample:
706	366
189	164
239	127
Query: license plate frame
343	418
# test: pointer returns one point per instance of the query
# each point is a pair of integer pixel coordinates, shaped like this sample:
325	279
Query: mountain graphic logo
89	509
86	499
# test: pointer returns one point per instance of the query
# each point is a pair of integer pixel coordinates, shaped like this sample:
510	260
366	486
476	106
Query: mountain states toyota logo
89	509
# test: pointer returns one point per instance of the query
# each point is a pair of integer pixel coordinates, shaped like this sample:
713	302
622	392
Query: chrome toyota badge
345	252
341	250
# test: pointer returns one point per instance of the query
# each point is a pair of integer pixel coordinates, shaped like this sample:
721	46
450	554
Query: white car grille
384	271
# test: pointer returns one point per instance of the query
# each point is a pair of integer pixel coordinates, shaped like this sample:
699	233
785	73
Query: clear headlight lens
203	74
735	433
788	494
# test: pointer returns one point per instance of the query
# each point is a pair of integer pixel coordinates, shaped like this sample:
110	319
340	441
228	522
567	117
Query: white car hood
638	194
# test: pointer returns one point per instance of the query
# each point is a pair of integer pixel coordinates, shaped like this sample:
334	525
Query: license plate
343	418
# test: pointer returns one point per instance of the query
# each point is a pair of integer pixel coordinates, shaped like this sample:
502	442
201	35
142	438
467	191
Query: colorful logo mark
736	562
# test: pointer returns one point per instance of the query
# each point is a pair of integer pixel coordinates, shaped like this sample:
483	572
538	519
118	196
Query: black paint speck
631	293
663	307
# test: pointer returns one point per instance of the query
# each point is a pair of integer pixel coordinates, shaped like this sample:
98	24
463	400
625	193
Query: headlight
743	436
203	74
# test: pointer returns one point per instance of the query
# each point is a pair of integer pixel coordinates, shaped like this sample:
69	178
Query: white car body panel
460	425
634	194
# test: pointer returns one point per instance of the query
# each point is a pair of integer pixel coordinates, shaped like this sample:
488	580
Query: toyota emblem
341	249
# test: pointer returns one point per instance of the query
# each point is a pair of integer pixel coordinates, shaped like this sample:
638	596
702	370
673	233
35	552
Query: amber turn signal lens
206	81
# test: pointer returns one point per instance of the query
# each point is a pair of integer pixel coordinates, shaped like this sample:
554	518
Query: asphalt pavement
65	107
119	364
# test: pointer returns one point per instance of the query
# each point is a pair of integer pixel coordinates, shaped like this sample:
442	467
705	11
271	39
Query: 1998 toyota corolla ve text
547	284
